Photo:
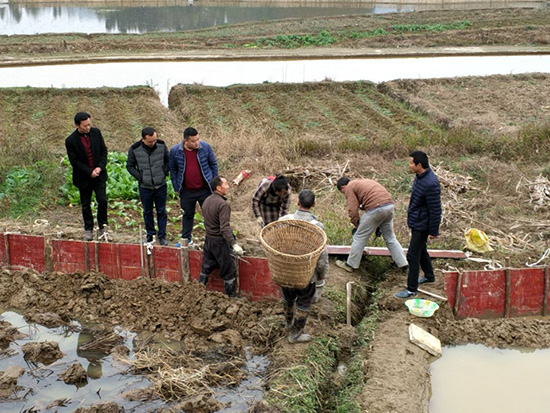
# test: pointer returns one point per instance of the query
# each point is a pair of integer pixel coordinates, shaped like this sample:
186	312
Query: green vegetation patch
292	41
325	37
25	189
439	27
297	388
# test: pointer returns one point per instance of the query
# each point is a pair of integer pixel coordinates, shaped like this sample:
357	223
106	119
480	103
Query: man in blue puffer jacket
423	218
192	167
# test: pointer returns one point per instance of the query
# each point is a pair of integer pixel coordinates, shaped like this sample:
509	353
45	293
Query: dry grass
175	376
495	105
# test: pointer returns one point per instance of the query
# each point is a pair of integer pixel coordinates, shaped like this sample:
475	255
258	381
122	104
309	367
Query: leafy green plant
439	27
292	41
25	188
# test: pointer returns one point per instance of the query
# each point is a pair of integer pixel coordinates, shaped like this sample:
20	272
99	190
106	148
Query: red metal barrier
480	294
168	264
103	257
3	256
25	251
255	280
499	293
69	256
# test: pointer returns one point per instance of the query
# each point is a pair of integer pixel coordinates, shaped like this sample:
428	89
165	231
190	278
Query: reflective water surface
163	75
177	15
475	378
40	386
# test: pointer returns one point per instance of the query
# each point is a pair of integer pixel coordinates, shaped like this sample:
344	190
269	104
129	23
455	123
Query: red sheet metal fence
500	293
128	262
480	294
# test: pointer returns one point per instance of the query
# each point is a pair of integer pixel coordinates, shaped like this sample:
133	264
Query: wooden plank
384	252
424	340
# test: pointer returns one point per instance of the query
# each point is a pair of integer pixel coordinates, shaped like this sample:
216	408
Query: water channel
178	15
475	378
163	75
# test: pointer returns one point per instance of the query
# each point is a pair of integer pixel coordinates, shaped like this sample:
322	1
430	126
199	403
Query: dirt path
278	54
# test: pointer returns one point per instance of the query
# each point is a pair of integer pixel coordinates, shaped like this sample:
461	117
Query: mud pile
179	312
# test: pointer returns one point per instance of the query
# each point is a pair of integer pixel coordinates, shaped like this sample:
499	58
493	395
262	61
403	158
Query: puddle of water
475	378
107	379
248	391
178	15
163	75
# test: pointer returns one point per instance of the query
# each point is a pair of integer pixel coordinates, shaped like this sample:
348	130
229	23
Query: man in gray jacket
296	302
149	163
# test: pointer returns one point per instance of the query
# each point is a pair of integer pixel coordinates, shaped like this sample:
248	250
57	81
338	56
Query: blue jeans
418	257
188	203
158	198
381	217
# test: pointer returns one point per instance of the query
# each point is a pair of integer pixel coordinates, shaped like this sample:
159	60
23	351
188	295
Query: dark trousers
417	256
100	190
303	298
156	197
188	202
217	254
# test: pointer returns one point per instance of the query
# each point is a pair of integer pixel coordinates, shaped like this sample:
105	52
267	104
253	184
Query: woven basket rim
298	223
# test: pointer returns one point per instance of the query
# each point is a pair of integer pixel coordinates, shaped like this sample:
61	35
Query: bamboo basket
292	248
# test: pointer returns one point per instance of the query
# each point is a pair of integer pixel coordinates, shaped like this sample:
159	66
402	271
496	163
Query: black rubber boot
230	287
203	278
289	315
296	331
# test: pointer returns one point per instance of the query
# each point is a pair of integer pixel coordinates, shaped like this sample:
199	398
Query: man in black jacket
88	156
424	219
149	163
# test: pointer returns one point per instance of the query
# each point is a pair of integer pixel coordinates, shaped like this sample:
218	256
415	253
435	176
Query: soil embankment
522	30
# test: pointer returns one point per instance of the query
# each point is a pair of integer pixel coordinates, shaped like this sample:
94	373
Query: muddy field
506	27
487	137
478	190
216	329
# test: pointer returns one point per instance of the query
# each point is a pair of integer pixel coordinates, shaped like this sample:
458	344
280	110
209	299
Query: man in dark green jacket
148	162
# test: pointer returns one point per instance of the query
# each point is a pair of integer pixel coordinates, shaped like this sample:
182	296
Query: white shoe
103	234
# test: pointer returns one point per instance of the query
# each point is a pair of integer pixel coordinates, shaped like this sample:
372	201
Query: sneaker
103	234
88	235
163	242
405	294
425	280
344	265
149	238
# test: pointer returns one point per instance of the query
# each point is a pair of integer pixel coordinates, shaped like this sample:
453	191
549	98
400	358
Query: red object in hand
245	174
